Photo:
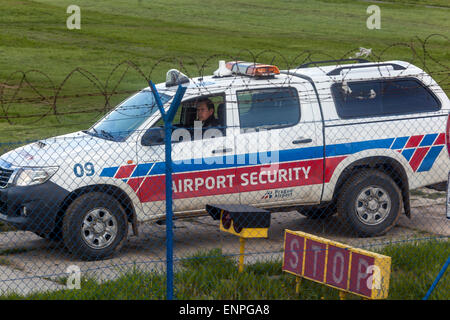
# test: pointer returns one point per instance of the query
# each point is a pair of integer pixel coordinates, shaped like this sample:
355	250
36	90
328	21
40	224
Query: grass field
157	35
210	275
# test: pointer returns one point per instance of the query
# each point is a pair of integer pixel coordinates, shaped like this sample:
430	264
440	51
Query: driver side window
187	115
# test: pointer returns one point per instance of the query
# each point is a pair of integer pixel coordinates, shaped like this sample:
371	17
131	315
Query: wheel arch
383	164
111	190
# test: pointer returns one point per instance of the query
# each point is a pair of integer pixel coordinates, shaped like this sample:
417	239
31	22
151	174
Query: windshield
128	116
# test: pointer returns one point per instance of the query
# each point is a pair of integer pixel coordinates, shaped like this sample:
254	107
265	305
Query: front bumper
32	208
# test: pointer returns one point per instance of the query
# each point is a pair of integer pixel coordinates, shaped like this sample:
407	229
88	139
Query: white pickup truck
353	137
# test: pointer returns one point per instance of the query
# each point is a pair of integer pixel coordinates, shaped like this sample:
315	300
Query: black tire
54	236
369	203
316	212
95	226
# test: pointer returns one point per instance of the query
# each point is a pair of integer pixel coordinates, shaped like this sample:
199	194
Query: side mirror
153	137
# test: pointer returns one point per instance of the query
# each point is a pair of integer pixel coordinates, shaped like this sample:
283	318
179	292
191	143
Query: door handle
302	140
224	150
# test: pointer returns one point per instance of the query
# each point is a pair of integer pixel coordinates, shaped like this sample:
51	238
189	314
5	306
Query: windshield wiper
101	134
90	133
107	134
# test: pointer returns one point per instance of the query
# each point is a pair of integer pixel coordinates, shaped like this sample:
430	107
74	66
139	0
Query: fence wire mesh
355	158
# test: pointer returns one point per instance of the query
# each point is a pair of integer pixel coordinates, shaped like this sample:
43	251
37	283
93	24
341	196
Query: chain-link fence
353	156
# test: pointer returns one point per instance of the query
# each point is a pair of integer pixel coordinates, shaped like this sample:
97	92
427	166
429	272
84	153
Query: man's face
202	111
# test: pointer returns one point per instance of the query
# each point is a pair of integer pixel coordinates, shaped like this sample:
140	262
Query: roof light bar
252	69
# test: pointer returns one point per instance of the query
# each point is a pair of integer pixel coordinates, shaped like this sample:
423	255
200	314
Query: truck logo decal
278	194
230	180
420	151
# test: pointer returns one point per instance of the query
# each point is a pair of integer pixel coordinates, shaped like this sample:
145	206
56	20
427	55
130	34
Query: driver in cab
205	114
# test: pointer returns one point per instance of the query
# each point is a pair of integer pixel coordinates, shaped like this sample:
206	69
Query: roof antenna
223	71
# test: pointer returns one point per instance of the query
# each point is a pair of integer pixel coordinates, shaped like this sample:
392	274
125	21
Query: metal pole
441	273
168	119
298	282
169	213
241	255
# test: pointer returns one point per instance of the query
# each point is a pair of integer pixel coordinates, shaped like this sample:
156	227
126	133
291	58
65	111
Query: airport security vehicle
347	138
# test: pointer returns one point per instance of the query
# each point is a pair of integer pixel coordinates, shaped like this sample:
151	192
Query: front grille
5	174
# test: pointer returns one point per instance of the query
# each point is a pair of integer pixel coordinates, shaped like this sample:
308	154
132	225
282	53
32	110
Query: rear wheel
370	203
94	226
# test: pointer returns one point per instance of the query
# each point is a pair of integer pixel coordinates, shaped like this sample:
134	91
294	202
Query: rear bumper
32	208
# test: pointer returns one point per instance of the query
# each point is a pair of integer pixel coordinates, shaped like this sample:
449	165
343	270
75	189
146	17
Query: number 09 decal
87	169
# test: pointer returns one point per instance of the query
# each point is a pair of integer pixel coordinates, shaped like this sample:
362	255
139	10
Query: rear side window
268	108
382	97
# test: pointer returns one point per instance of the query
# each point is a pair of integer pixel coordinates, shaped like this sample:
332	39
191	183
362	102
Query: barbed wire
11	113
218	87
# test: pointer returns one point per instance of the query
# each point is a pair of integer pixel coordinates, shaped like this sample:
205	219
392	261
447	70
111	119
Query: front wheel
318	212
370	203
94	226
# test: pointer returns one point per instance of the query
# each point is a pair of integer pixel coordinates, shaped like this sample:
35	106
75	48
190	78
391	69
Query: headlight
32	176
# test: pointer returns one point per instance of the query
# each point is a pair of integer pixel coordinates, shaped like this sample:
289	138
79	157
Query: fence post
439	276
168	119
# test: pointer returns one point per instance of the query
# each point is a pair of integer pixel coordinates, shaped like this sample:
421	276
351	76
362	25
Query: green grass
156	35
439	3
414	268
211	275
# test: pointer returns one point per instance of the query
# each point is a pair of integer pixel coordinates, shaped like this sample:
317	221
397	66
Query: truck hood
56	151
